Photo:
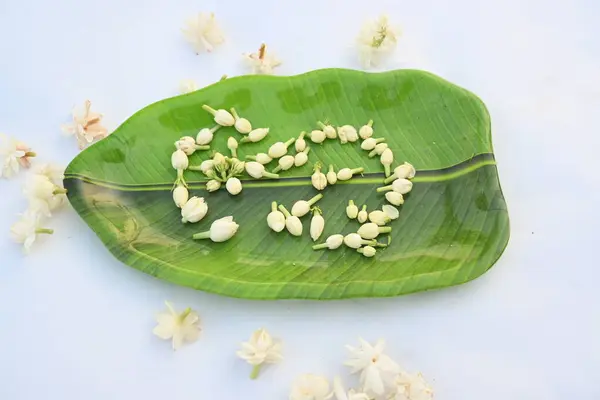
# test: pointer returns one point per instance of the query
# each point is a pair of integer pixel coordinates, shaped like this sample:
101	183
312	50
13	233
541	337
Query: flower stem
245	139
385	189
234	153
251	158
385	229
274	206
320	246
255	371
372	153
201	235
209	109
386	168
290	141
59	190
267	174
276	169
215	128
284	211
306	150
45	231
315	199
30	154
194	168
199	147
390	178
371	242
301	135
321	125
357	170
235	114
370	123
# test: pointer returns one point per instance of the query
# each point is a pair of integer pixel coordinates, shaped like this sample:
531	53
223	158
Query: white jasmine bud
370	143
404	171
219	161
328	130
300	142
363	216
206	166
205	136
213	185
345	174
371	230
179	160
257	171
292	223
399	185
188	145
348	132
242	125
394	198
342	135
354	241
366	131
221	230
379	217
367	251
222	117
391	211
233	186
318	179
237	167
387	158
317	224
285	163
232	145
262	158
302	207
351	210
276	219
256	135
280	148
194	210
301	158
180	195
378	150
331	175
317	136
332	243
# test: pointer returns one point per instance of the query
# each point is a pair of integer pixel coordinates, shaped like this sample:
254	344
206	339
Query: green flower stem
234	153
268	174
274	206
320	246
251	158
209	109
30	154
201	235
390	178
357	170
301	135
385	188
289	142
255	371
372	153
234	113
194	168
385	229
371	242
59	190
284	211
386	168
45	231
315	199
245	139
370	123
321	125
202	147
276	169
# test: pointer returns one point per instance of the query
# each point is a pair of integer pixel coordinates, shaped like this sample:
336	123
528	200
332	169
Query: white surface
75	323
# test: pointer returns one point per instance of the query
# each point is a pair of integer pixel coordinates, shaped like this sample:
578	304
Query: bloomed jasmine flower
194	210
317	224
43	194
187	86
341	394
15	155
221	230
261	62
203	32
347	133
45	204
411	387
86	126
188	145
260	349
179	327
310	387
26	229
376	41
377	370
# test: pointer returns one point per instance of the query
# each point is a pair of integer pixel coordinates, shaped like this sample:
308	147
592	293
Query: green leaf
452	228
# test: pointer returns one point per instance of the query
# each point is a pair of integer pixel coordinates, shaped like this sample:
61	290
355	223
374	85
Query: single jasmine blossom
318	179
233	186
180	195
292	223
280	148
256	135
300	143
341	394
213	185
232	145
206	165
284	163
43	193
404	171
363	216
194	210
354	241
317	224
310	387
328	130
348	132
178	327
257	171
376	41
370	143
367	251
262	158
379	217
391	211
187	86
15	155
205	136
26	229
261	62
179	160
276	219
377	370
399	185
331	175
351	210
332	243
345	174
378	150
221	116
221	230
411	387
86	126
317	136
394	198
302	207
242	125
366	131
301	158
387	158
371	230
203	33
260	349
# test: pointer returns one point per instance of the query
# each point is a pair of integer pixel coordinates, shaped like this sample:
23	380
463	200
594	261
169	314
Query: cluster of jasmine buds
14	155
255	135
318	179
188	145
277	219
242	125
347	133
366	131
220	230
279	149
328	130
401	184
345	174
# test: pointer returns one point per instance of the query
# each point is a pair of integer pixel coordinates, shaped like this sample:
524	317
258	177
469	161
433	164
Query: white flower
180	327
378	150
376	40
300	143
213	185
221	230
237	167
219	161
86	126
206	166
317	136
276	219
179	160
310	387
187	86
180	195
53	172
188	145
318	179
387	158
379	217
194	210
262	158
280	148
405	171
347	133
367	251
399	185
205	136
354	241
317	224
394	198
391	211
363	216
341	394
257	170
285	163
232	145
366	131
328	130
411	387
203	32
261	62
292	223
331	176
351	210
370	143
233	186
302	207
345	174
39	188
15	155
371	230
27	228
331	243
256	135
221	116
242	125
260	349
301	158
376	369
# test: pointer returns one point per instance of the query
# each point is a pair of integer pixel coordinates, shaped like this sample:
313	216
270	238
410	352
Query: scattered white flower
260	349
347	133
379	217
205	136
194	210
213	185
302	207
377	370
318	179
279	149
391	211
387	158
206	166
236	167
86	126
301	158
179	160
179	327
331	243
363	216
15	155
203	32
376	41
180	195
292	223
232	145
405	171
317	136
310	387
394	198
345	174
188	145
378	150
341	394
221	230
300	143
355	241
317	224
370	143
328	130
399	185
262	158
367	251
285	163
256	135
26	229
257	171
187	86
366	131
331	175
242	125
411	387
261	62
371	230
221	116
276	219
233	186
351	210
43	194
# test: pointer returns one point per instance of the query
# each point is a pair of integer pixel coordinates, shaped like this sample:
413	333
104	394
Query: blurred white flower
376	40
179	327
260	349
377	370
411	387
26	229
43	194
341	394
310	387
15	155
187	86
86	126
203	33
261	62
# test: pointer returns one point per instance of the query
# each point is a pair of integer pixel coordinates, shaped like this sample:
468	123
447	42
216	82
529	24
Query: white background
76	324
